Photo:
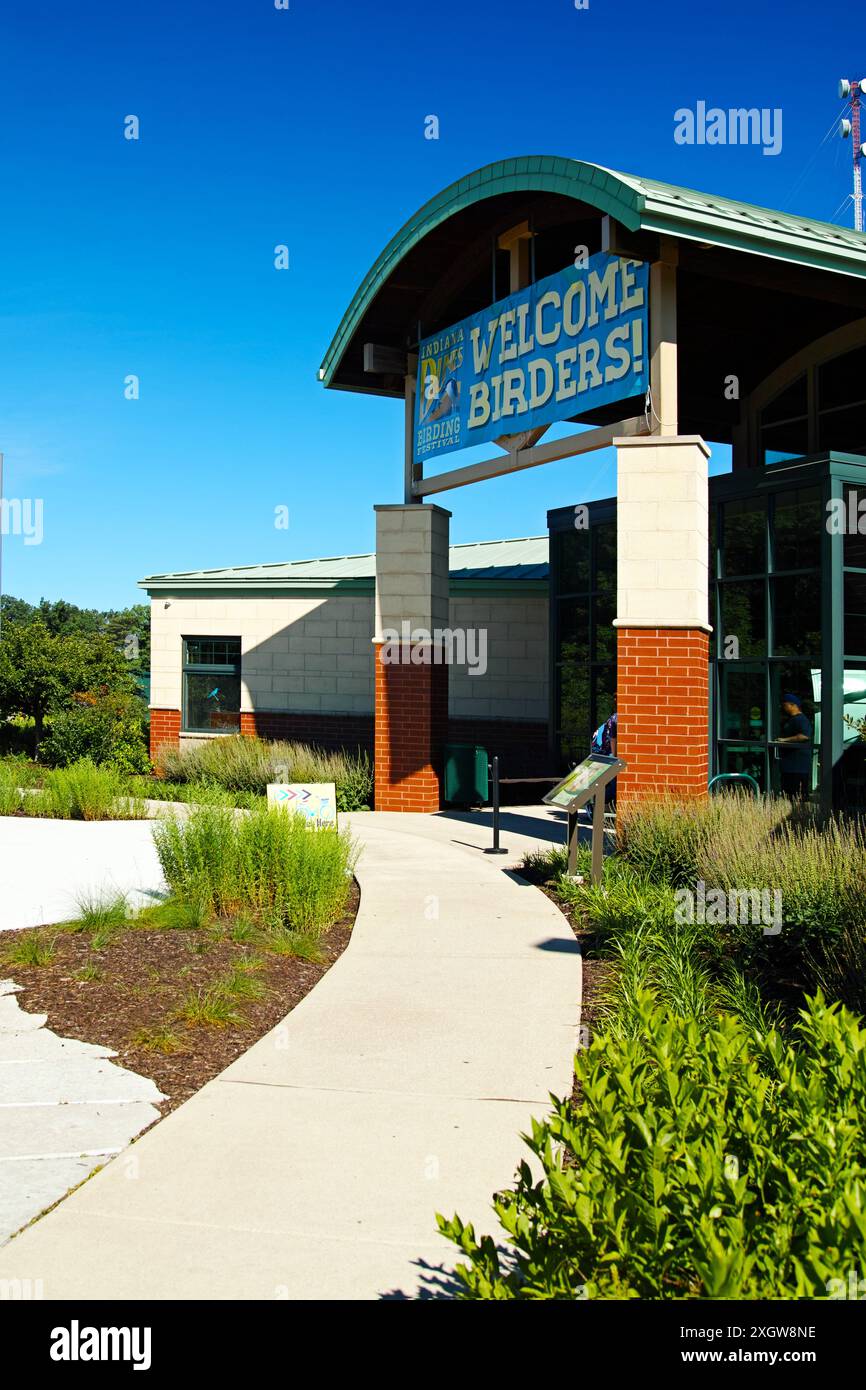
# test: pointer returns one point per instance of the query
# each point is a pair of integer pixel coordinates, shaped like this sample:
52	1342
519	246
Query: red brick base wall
662	711
411	721
522	746
164	729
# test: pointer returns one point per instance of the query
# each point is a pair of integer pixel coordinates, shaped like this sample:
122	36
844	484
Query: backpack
602	737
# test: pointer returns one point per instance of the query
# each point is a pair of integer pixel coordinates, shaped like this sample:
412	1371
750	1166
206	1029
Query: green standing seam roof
640	204
478	561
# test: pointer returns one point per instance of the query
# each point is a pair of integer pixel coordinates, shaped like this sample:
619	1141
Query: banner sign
560	347
317	801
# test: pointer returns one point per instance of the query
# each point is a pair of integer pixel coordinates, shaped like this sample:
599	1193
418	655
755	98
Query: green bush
10	793
264	862
820	873
667	839
714	1162
107	729
82	791
248	764
197	793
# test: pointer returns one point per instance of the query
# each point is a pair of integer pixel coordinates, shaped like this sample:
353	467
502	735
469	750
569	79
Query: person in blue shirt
795	750
604	741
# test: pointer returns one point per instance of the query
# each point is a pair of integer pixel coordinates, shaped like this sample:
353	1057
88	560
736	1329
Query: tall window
211	685
584	636
769	642
823	409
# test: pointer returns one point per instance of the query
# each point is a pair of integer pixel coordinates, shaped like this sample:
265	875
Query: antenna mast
850	129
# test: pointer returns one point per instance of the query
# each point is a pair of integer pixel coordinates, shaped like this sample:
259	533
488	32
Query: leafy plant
41	670
108	728
704	1161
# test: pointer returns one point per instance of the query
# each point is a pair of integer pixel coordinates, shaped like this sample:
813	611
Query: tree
128	628
40	671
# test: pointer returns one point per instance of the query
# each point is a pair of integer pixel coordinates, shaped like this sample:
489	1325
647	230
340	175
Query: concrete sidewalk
47	865
65	1108
312	1168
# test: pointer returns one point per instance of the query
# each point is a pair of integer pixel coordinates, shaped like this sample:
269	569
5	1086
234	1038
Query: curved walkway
313	1166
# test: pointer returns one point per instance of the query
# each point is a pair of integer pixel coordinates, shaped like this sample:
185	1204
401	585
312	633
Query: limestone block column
662	617
411	705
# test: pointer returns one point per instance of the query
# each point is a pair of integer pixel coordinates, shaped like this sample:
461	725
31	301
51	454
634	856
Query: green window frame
211	701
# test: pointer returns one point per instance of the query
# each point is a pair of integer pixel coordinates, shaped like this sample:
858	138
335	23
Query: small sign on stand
316	801
584	783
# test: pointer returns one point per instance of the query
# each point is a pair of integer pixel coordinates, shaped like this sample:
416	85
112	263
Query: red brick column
164	730
662	702
411	722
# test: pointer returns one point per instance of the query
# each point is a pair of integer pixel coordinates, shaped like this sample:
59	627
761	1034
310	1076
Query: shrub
10	793
248	764
666	839
106	728
80	792
264	862
703	1162
820	873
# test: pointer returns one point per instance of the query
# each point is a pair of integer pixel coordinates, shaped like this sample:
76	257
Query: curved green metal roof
638	203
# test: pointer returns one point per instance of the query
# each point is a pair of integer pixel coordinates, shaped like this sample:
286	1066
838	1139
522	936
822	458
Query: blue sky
261	126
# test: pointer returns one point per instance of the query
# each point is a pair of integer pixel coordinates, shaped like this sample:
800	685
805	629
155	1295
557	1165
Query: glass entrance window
584	563
803	680
750	759
796	608
855	614
798	523
852	767
744	702
743	631
744	525
854	538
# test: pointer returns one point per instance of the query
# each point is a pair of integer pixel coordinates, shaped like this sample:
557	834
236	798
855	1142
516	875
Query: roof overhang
413	271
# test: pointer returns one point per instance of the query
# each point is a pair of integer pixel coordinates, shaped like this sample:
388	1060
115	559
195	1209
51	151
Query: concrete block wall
515	684
316	655
310	655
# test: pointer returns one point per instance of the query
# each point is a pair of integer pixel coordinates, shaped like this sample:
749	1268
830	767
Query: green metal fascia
352	586
529	173
639	204
275	589
756	242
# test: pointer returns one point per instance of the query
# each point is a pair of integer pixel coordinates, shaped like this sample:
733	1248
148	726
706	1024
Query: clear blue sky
262	126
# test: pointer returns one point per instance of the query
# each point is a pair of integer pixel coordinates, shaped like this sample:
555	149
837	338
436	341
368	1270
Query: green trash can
465	774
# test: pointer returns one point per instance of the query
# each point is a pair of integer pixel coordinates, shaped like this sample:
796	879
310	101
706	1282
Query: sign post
584	783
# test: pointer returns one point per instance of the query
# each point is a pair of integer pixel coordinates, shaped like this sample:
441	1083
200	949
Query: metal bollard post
496	847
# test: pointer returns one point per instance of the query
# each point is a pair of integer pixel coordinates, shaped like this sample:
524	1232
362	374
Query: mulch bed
144	976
